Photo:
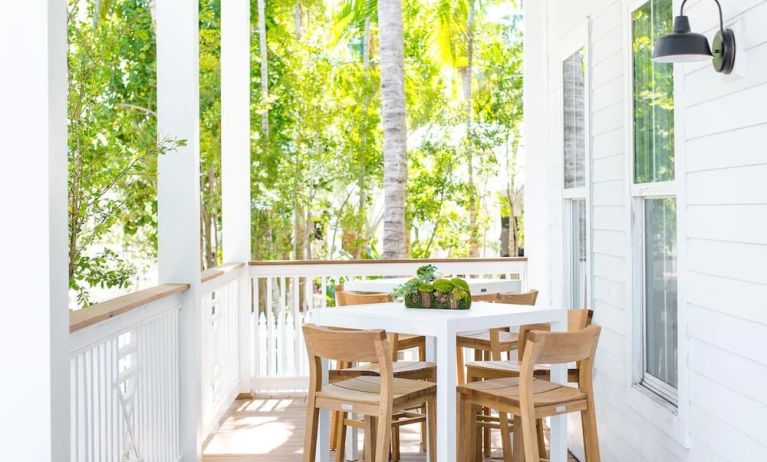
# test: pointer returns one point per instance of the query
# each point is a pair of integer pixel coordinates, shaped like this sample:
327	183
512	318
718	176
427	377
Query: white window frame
577	40
672	419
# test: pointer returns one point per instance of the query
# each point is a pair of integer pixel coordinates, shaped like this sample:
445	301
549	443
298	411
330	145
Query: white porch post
235	158
535	93
179	196
34	392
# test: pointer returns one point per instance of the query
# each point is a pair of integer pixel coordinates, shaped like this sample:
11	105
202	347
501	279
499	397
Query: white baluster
263	350
290	344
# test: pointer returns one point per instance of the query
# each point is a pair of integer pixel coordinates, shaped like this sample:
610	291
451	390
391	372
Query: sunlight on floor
272	430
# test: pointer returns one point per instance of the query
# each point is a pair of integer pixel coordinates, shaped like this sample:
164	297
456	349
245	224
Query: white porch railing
125	356
124	369
284	292
220	346
124	378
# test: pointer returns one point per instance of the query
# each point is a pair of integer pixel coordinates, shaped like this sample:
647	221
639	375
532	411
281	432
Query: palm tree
393	117
264	64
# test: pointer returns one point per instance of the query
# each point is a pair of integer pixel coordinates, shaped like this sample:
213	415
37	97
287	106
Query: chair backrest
344	298
560	347
577	319
528	298
484	297
348	346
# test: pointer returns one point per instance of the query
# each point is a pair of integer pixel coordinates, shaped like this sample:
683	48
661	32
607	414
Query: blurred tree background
317	160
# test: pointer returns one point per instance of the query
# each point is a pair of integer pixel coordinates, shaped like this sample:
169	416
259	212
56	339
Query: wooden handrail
387	261
102	311
218	271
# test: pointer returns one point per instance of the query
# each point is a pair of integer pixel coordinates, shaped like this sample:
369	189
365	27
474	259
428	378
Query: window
574	122
654	202
574	142
578	255
660	289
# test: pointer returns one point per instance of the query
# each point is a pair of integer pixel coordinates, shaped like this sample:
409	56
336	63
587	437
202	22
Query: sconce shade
682	45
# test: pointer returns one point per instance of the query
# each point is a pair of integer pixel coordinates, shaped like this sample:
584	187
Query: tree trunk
394	122
298	17
308	234
467	78
264	64
362	177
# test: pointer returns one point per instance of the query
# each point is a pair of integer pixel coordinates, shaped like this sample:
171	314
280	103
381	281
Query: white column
235	128
235	159
179	196
34	333
536	180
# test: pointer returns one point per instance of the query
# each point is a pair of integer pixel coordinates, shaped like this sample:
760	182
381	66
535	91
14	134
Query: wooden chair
577	319
484	297
375	397
529	398
481	342
415	370
406	342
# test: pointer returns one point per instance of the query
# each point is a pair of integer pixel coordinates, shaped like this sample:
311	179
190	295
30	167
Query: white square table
444	325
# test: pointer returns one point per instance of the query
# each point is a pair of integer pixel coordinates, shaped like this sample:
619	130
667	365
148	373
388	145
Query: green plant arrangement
428	290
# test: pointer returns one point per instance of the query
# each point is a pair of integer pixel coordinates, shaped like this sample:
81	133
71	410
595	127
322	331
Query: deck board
272	430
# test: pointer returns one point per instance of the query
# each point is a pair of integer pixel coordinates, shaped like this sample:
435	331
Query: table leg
323	433
431	348
559	423
446	382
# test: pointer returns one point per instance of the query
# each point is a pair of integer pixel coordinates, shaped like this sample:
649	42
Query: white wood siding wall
722	123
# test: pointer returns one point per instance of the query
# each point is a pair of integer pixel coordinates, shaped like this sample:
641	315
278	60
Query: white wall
722	172
34	334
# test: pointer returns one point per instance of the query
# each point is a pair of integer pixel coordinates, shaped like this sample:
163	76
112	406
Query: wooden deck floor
272	430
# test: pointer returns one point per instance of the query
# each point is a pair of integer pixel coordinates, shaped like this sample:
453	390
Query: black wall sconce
683	46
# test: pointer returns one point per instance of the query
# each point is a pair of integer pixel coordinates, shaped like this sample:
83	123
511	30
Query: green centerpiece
428	290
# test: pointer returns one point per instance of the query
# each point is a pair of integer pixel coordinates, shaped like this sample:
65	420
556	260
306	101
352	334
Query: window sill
660	412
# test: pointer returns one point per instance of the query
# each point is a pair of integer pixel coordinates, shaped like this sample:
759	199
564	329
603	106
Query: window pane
653	96
574	123
579	253
661	290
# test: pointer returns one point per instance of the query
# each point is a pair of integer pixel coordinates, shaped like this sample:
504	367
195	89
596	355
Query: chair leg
529	435
341	438
461	366
505	436
518	454
310	437
424	411
382	438
369	430
476	434
483	432
334	420
590	436
334	416
431	417
541	441
467	430
395	455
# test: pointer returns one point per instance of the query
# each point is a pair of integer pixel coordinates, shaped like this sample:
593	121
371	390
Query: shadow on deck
272	430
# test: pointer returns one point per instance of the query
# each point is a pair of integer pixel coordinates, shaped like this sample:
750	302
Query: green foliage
653	96
317	173
210	132
113	145
428	291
